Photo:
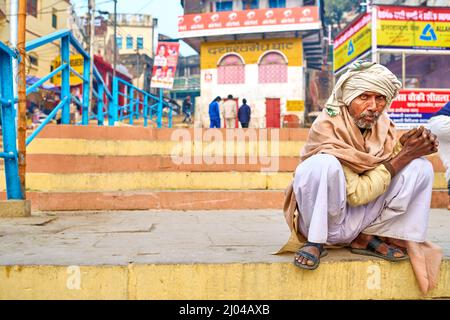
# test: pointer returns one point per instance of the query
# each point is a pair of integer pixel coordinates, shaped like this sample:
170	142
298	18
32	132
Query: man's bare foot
362	241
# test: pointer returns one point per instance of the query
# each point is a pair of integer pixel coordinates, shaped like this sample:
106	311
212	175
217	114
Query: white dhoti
231	123
325	217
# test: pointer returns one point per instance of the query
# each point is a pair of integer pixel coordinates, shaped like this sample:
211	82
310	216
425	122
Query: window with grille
231	70
224	6
129	42
33	60
119	42
140	42
54	19
32	7
273	68
277	3
250	4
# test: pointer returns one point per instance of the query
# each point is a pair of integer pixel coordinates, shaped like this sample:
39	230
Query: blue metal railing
13	189
139	102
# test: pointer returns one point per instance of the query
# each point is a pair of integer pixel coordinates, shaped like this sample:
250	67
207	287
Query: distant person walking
187	109
229	107
244	114
214	113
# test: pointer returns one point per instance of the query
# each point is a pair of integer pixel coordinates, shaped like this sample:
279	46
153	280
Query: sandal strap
374	243
392	250
308	256
313	244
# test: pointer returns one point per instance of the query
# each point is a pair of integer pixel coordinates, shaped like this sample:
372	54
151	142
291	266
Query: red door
272	112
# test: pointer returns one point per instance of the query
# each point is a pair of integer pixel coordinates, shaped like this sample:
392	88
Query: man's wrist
389	168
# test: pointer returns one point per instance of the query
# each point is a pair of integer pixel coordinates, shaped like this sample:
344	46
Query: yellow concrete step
126	181
179	148
336	280
191	255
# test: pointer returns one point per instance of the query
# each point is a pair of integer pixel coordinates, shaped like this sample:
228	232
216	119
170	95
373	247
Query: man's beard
364	124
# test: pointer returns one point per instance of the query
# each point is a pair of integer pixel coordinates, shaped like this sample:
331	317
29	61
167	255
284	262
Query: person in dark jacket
214	113
244	114
187	106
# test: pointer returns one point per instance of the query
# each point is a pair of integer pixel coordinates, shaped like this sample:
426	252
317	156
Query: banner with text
249	21
76	62
165	65
413	27
414	107
352	42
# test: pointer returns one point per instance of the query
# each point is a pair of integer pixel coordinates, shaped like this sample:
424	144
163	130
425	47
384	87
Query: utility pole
115	39
22	95
91	35
13	38
137	67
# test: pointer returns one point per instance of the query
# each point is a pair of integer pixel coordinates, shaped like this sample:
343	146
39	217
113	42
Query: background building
134	43
187	79
135	33
414	43
258	50
43	17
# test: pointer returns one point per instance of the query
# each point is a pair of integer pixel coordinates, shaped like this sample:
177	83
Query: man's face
367	108
162	51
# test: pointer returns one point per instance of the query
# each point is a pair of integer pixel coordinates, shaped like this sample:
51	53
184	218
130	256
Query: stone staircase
134	168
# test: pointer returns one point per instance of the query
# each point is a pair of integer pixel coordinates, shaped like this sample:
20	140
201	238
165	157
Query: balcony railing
187	83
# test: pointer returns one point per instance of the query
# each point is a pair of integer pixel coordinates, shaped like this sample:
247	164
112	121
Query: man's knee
318	164
423	168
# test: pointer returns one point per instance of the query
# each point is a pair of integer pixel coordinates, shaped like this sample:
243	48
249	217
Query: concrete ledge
174	200
190	255
333	280
15	208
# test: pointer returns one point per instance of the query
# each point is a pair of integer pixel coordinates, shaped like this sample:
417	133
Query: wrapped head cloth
335	131
363	76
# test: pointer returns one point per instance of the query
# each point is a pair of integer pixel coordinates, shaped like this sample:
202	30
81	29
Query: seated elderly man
357	186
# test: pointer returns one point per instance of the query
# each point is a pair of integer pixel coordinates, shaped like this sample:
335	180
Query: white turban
360	77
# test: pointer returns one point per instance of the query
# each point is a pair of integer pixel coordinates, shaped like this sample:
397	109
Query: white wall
255	93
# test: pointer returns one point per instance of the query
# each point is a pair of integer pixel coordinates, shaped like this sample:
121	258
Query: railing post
112	114
160	108
131	105
65	79
86	94
170	117
145	110
101	92
13	189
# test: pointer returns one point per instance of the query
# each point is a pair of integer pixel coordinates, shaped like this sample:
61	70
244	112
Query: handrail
36	85
39	42
134	103
7	101
137	102
46	121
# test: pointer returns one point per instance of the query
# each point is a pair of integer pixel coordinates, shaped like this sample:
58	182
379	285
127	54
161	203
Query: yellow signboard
295	105
76	62
413	34
353	43
250	51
